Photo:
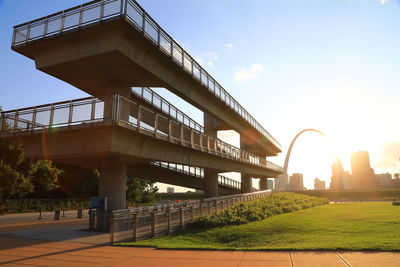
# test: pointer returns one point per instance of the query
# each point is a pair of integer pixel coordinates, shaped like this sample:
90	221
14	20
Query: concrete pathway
64	243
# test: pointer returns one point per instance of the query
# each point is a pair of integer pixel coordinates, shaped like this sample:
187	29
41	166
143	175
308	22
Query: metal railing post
168	220
112	229
134	226
181	221
153	224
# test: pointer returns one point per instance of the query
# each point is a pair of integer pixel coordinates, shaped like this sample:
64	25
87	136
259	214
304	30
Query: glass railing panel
187	63
111	8
71	19
91	14
151	30
36	30
43	117
81	112
177	53
135	15
165	43
99	110
157	101
61	115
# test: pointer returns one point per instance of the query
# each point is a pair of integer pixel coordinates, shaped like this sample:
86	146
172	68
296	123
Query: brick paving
15	250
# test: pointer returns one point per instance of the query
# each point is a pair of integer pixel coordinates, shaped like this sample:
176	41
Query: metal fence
100	10
144	223
163	105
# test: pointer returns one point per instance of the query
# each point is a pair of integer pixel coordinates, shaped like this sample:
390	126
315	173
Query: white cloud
384	2
210	63
228	45
214	55
243	74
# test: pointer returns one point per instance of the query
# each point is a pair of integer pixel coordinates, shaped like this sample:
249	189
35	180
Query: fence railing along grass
147	222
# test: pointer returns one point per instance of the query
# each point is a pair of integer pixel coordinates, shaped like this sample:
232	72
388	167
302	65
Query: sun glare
349	124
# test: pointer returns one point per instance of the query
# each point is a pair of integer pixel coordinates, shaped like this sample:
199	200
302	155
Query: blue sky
293	64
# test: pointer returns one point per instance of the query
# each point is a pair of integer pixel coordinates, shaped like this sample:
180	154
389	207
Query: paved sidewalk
22	252
65	243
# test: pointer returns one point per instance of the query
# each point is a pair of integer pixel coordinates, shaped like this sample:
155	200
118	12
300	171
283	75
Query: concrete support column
210	175
210	183
246	183
263	184
112	184
245	179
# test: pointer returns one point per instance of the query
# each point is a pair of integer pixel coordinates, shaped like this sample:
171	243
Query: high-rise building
337	176
319	185
384	179
296	182
362	175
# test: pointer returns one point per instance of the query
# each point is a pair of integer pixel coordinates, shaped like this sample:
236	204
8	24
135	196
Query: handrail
100	10
166	107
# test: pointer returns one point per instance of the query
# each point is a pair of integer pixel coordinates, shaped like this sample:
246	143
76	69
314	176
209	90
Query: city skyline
336	74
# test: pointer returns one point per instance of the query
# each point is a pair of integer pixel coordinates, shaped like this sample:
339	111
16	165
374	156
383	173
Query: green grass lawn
348	226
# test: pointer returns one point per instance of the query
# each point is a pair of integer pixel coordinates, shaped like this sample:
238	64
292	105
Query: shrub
274	204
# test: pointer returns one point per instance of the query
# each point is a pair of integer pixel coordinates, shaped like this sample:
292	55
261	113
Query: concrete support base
210	183
263	184
112	184
246	183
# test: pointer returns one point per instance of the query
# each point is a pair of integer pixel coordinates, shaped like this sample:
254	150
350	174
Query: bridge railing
163	105
67	113
138	224
119	110
100	10
137	117
197	172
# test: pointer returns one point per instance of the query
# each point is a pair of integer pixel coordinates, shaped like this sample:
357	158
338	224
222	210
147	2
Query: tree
78	181
140	190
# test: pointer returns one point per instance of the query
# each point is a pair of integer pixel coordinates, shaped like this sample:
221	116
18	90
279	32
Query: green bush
260	209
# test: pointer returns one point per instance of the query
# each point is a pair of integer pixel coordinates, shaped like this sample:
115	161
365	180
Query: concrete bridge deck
121	127
105	47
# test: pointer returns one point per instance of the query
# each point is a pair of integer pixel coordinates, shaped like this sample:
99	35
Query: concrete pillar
246	179
263	184
246	183
210	175
210	183
112	184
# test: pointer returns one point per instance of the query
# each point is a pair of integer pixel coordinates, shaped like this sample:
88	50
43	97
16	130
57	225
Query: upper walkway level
107	46
89	113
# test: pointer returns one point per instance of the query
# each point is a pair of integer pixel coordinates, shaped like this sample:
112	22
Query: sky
332	65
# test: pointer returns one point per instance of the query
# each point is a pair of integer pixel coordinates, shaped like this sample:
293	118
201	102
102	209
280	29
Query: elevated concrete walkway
122	46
